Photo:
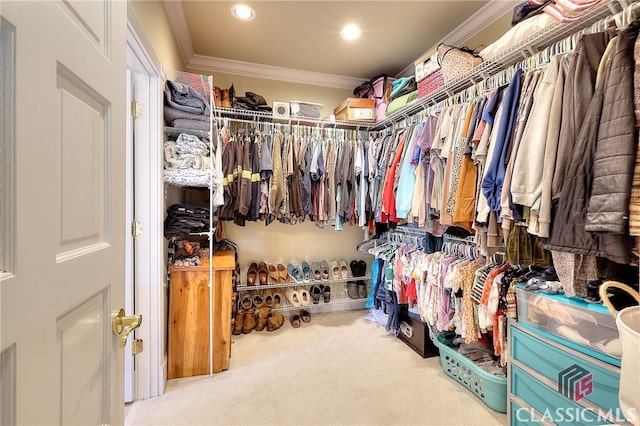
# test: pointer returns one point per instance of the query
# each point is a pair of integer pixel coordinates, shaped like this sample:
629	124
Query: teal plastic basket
492	390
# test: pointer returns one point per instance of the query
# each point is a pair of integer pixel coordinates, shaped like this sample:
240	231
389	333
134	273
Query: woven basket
430	84
628	323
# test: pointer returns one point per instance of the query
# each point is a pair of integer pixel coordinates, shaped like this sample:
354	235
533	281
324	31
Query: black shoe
593	292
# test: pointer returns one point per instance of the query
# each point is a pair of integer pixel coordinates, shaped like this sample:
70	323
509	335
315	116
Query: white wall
280	243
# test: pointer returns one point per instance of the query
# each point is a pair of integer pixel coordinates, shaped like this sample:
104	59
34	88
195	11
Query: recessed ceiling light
243	12
350	32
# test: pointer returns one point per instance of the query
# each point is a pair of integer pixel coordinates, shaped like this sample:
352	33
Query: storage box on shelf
502	56
380	86
356	109
305	109
428	74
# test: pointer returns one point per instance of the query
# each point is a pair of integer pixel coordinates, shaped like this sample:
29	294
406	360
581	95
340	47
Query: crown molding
470	27
270	72
179	27
484	17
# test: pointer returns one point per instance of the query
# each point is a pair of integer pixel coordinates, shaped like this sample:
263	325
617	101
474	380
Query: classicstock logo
575	382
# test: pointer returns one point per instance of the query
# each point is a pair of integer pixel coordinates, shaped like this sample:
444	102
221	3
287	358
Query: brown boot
249	321
263	314
217	96
225	99
275	321
238	322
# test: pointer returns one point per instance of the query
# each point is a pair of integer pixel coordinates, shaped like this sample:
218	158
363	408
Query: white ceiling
302	37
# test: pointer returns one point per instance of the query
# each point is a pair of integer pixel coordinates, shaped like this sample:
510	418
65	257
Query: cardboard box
356	109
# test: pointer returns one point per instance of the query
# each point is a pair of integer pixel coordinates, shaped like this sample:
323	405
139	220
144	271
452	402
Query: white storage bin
586	324
305	109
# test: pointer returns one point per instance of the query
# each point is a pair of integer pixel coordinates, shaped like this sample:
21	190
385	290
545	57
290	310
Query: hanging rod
262	116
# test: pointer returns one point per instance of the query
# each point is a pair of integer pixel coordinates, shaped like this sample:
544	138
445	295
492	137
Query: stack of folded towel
185	108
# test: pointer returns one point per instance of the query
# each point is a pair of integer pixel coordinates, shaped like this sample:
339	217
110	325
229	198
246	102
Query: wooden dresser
189	332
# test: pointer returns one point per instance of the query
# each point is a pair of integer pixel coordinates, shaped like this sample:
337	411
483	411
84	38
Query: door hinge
136	228
136	109
137	346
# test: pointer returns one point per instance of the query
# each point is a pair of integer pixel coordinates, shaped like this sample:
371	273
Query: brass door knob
122	325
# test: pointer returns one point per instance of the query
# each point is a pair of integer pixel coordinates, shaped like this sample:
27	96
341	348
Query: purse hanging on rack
456	62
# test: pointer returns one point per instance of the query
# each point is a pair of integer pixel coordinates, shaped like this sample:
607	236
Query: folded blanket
171	114
183	97
174	160
187	177
190	144
182	123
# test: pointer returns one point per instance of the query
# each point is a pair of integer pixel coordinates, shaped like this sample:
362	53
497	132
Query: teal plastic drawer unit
522	414
553	407
569	372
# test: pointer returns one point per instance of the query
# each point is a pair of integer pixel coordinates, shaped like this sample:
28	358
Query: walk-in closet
476	210
320	212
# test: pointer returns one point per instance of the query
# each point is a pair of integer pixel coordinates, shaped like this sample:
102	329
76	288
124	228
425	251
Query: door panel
83	114
90	17
69	208
83	345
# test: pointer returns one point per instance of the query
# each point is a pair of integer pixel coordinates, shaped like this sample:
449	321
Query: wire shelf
244	287
267	117
176	131
507	57
340	301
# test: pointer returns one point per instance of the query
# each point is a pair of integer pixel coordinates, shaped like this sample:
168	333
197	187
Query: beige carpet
339	369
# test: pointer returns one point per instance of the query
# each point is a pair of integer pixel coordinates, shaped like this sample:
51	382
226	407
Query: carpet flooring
339	369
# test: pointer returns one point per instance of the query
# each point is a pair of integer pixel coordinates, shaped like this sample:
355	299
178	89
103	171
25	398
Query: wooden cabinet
189	330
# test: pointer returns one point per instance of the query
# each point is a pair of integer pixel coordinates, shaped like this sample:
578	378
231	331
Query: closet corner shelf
245	287
267	117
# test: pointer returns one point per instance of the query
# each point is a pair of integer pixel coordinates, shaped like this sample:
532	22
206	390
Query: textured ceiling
304	35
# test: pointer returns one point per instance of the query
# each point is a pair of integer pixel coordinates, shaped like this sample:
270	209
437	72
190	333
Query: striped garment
634	201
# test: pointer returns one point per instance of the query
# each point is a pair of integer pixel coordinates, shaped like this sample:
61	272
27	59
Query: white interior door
67	277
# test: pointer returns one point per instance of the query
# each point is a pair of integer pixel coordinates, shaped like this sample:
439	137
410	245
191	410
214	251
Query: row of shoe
318	271
247	320
271	298
263	273
297	318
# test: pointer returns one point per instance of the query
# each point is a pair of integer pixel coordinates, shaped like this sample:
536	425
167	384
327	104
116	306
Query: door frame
149	271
